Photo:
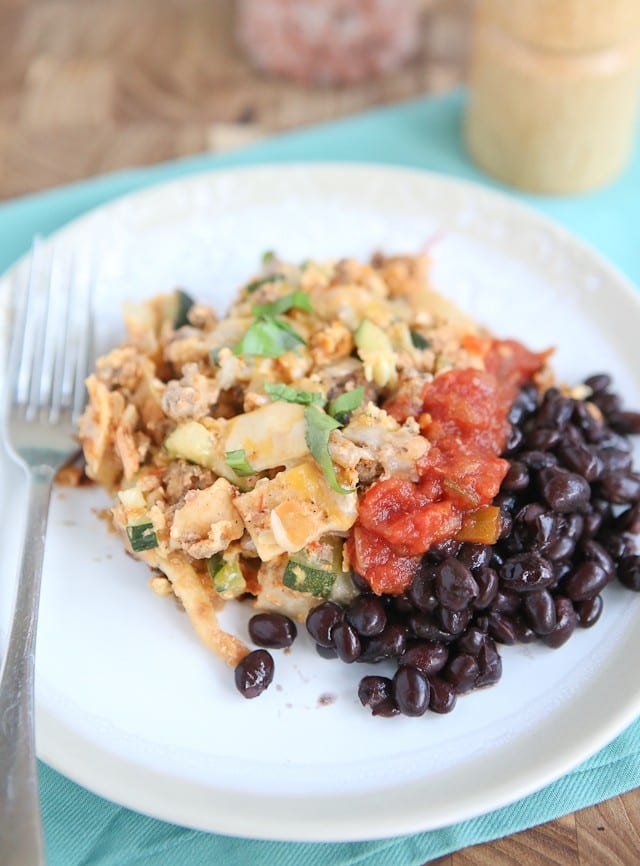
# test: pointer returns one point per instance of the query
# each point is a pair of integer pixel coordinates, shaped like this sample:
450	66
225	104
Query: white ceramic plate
129	703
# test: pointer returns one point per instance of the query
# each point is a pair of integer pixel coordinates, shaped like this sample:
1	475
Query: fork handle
20	827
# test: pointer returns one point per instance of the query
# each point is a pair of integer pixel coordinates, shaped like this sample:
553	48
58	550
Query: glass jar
328	41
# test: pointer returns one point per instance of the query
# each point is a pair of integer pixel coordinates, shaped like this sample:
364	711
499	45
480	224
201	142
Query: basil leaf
346	403
299	300
292	395
142	536
237	460
418	340
319	426
262	281
269	339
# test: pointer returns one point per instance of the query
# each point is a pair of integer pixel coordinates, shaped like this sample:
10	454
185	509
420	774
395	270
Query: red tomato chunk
464	417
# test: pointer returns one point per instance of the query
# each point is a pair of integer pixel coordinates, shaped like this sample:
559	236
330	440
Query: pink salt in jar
328	41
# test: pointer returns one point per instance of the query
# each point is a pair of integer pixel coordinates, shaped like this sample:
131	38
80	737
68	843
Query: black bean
471	641
514	439
421	591
588	420
455	585
411	691
527	572
607	402
528	398
615	543
367	615
608	438
627	423
388	644
400	607
592	523
462	672
254	673
543	438
598	382
564	491
506	525
501	627
373	690
561	568
428	656
321	621
487	581
561	548
538	459
545	529
614	460
555	411
454	621
524	632
587	581
540	611
530	514
506	601
628	520
474	556
272	630
386	709
346	642
445	548
589	611
573	526
517	478
506	501
326	652
489	663
629	572
581	459
566	620
442	698
623	488
595	552
426	627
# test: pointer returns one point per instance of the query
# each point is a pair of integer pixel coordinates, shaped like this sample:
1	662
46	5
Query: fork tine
85	346
63	289
22	338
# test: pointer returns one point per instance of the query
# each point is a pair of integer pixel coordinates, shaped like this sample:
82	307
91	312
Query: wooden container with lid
554	91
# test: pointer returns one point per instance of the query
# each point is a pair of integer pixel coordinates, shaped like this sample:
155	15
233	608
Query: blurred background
89	86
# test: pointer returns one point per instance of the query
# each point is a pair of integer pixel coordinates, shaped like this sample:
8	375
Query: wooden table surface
88	86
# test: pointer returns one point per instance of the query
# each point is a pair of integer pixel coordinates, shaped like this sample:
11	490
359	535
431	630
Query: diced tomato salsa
464	417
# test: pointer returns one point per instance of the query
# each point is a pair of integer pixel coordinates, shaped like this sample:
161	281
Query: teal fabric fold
83	829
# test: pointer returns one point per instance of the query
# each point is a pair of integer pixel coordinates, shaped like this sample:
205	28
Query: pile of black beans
570	508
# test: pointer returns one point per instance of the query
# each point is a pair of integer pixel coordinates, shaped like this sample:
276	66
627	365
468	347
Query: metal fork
49	358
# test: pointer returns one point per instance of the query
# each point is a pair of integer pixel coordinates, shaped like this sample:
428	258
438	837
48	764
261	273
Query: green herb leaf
299	300
262	281
319	426
345	403
292	395
268	256
418	340
142	536
268	338
237	460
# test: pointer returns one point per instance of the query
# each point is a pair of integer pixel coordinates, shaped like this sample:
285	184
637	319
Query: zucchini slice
302	577
177	308
227	576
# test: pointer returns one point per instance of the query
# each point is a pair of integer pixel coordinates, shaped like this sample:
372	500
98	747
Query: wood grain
88	86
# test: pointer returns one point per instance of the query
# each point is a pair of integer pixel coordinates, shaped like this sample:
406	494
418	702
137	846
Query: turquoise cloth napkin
85	830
